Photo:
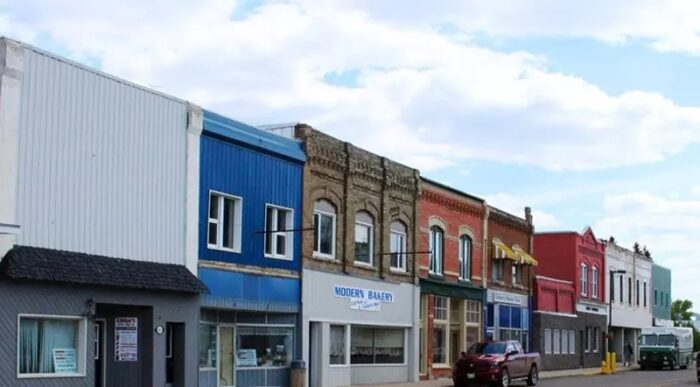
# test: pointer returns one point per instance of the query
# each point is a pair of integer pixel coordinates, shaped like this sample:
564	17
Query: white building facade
629	295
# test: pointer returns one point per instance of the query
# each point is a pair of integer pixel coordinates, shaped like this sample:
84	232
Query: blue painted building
661	295
249	249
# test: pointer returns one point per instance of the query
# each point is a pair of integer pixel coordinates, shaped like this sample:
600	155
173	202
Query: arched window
584	279
465	257
324	229
437	242
398	246
364	241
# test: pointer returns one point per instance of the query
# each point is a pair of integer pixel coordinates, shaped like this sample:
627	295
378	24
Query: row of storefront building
149	242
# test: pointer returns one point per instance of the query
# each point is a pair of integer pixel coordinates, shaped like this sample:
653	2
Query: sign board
364	299
126	339
506	298
64	360
246	358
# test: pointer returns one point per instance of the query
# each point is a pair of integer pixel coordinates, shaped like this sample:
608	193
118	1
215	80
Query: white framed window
594	282
279	241
465	257
364	238
517	274
225	219
589	339
557	341
440	308
572	342
645	294
373	345
207	346
397	242
584	279
51	346
547	341
338	347
473	312
324	229
596	339
497	269
564	343
437	243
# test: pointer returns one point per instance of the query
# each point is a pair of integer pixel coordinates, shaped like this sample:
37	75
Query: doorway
454	347
100	354
227	346
314	354
174	355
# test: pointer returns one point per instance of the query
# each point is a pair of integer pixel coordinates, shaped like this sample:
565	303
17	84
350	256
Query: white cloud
695	190
420	96
516	205
667	226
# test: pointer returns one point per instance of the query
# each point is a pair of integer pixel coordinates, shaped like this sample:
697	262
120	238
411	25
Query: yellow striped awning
501	250
524	257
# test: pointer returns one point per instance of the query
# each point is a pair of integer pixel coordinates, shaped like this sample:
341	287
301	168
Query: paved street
631	378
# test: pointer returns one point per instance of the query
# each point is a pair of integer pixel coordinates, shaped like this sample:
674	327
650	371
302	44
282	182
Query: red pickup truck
497	363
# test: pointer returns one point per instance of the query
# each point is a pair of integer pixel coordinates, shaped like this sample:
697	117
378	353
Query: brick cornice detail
452	204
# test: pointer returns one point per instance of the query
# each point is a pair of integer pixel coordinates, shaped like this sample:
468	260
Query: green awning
452	290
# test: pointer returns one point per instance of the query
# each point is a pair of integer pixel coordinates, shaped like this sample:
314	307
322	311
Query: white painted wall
637	267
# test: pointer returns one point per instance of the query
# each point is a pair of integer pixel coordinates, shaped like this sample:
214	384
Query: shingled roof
40	264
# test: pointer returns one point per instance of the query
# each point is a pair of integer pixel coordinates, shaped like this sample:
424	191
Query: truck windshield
487	349
650	340
667	340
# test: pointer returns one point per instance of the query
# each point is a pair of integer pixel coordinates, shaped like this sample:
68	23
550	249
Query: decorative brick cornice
452	204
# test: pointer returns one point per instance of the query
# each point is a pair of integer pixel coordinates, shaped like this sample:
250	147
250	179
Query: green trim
454	290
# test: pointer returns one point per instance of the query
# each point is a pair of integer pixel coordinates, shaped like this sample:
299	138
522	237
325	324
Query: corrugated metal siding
207	378
101	164
259	179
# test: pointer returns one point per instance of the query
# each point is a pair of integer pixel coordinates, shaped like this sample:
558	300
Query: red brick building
451	227
569	336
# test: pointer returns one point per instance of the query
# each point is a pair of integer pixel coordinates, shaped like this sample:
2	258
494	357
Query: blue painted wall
244	286
661	287
259	167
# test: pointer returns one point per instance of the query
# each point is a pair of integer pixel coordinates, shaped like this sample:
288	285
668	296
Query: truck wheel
533	376
673	366
505	378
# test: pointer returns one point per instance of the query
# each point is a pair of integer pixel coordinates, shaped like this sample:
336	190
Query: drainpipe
484	263
382	209
416	228
346	195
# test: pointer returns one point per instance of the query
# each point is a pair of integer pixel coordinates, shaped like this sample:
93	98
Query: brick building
579	261
510	274
359	286
452	294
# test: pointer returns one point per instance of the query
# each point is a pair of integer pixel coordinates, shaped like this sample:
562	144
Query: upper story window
517	274
465	257
278	237
594	282
324	229
364	241
397	246
497	269
645	294
584	279
622	290
637	293
437	243
629	290
225	216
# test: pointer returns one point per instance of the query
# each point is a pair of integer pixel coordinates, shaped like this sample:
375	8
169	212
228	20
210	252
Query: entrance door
227	357
314	354
454	344
174	354
99	353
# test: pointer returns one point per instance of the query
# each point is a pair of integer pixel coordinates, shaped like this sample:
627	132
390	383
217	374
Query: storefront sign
64	361
126	344
246	358
364	299
505	298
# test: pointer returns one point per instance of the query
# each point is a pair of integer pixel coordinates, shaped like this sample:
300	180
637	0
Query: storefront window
376	345
473	312
337	348
439	344
513	324
264	346
50	345
207	346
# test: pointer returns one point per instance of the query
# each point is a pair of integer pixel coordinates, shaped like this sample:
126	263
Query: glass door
227	356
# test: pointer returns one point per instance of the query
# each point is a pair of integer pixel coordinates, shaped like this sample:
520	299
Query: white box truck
661	347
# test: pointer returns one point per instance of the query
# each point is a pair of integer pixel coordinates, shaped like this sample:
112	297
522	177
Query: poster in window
64	360
126	345
246	358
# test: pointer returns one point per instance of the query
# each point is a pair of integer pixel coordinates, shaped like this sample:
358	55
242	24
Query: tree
636	249
681	313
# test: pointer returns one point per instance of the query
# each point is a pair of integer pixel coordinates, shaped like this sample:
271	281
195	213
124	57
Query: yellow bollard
603	367
607	362
613	362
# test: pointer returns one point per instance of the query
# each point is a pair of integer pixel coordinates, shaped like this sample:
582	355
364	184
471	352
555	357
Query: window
594	282
557	341
622	285
337	349
207	346
596	339
517	274
637	293
473	312
547	341
667	298
273	346
564	343
51	345
497	269
588	339
278	238
364	241
612	289
440	308
645	294
584	279
437	242
376	345
324	229
224	222
656	297
572	342
465	257
440	326
398	246
629	290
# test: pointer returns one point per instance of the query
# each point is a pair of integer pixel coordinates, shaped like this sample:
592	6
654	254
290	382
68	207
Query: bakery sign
364	299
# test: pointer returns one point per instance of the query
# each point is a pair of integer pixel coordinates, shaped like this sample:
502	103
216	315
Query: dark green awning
452	290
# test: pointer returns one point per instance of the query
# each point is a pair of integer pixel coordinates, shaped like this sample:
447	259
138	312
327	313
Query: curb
589	373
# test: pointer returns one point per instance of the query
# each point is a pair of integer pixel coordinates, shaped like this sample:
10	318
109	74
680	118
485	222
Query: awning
452	290
501	250
524	257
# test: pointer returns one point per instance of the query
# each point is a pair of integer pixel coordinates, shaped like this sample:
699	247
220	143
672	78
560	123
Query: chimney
528	215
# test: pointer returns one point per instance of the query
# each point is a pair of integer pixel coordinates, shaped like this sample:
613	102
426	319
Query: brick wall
511	230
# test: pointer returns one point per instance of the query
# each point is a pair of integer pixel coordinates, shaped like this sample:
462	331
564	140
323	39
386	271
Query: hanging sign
126	339
364	299
64	360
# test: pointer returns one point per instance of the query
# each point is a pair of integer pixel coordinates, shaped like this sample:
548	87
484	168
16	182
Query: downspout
484	264
346	195
382	206
416	227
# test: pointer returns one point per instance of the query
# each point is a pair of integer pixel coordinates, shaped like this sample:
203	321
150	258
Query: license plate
471	376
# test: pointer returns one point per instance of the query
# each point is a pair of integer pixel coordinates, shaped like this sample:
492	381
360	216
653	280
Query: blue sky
588	113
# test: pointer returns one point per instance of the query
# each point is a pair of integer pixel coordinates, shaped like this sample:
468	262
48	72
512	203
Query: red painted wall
554	296
510	233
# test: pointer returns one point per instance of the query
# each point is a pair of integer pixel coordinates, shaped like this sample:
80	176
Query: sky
588	112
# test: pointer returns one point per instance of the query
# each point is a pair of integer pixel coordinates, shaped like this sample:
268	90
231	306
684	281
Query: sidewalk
543	375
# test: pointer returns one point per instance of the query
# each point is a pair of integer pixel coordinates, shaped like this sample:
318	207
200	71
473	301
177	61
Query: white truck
661	347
